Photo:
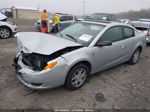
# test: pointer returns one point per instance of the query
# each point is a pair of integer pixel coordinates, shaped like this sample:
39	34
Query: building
26	13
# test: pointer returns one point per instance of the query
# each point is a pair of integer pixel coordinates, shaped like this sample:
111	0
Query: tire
77	77
148	44
135	57
5	32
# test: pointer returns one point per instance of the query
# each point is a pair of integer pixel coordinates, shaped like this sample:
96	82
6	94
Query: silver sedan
70	57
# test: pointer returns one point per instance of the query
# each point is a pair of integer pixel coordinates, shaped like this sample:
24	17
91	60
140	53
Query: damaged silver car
48	61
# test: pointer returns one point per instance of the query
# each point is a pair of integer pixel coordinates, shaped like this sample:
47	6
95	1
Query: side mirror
104	43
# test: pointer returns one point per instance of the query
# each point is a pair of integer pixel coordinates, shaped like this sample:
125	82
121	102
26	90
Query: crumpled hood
2	16
34	42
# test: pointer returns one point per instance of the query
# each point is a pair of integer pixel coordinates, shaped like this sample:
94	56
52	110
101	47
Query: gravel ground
122	87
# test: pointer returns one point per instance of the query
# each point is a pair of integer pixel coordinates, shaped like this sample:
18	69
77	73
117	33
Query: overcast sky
76	6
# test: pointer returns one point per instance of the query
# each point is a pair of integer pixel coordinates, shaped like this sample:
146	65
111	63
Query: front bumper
14	29
40	80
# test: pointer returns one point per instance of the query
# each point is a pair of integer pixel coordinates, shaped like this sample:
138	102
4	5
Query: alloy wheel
4	33
79	77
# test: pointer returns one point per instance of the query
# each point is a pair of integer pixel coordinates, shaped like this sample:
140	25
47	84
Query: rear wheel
77	76
5	32
135	57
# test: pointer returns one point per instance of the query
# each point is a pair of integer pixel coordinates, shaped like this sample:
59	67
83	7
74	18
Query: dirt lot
125	86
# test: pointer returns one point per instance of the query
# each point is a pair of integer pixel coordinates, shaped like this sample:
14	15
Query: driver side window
63	18
113	34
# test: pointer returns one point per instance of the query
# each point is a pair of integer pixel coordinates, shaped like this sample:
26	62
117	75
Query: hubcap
4	33
79	77
136	56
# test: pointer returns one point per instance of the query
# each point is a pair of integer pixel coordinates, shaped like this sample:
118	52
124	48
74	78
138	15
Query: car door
108	56
71	20
129	40
65	21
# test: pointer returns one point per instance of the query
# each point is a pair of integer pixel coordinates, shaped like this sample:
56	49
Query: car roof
144	20
103	13
63	14
107	23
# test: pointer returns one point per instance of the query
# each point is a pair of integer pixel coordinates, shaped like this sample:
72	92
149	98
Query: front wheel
5	33
77	76
135	57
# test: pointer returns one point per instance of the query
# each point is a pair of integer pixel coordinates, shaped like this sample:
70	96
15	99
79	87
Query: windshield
82	33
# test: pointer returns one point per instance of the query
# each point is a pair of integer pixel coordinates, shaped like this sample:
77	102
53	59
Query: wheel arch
85	62
140	47
4	26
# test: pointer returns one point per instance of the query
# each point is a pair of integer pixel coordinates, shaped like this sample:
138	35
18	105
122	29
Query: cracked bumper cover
40	80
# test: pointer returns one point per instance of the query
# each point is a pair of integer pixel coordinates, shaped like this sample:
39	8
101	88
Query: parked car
81	18
101	16
127	21
66	20
48	61
148	37
142	24
7	28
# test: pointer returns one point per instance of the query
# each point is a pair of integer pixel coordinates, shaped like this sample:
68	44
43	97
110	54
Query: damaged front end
41	64
37	71
38	62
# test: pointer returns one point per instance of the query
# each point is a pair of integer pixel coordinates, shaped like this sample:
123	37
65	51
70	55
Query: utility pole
13	5
38	7
83	7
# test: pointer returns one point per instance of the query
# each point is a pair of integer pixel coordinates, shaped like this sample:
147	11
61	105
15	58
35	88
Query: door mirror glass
104	43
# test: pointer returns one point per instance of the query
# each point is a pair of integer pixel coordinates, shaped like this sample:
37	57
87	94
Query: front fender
78	56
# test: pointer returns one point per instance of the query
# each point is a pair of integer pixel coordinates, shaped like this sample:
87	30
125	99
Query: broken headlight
40	62
35	61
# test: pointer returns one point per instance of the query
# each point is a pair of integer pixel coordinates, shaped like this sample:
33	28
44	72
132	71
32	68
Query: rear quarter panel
138	40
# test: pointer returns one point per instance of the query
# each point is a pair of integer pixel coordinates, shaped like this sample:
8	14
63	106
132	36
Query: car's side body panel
99	58
10	25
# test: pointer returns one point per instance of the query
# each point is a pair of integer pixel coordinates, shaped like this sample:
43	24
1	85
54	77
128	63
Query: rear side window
69	18
66	18
128	32
63	18
113	34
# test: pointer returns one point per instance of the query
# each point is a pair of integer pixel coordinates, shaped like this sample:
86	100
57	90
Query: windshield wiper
71	37
60	34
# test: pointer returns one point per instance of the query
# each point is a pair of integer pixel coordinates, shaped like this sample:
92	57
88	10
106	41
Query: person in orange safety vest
44	26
